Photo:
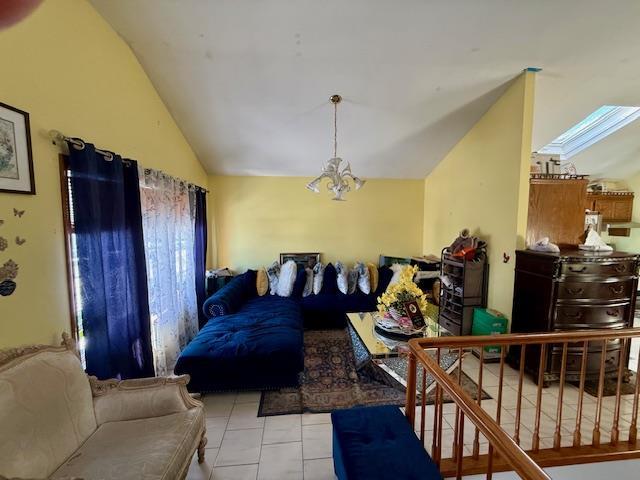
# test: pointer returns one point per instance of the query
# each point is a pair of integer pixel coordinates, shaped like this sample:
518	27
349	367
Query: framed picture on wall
16	161
302	260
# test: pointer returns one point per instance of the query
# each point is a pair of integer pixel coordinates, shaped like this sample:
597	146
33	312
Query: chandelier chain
335	129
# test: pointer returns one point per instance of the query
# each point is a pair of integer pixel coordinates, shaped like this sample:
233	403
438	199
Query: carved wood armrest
117	400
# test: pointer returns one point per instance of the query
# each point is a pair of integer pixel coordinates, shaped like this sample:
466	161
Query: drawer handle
620	268
578	270
613	313
617	290
575	291
575	316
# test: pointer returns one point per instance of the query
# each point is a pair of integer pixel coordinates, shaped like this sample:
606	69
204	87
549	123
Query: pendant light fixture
338	180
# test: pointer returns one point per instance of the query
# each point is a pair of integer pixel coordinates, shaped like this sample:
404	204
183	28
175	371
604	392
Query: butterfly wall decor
18	213
20	241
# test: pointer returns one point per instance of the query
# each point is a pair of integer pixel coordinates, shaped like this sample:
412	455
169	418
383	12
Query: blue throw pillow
249	279
330	280
384	277
299	283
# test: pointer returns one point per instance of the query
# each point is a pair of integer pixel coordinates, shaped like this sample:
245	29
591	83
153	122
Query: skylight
593	128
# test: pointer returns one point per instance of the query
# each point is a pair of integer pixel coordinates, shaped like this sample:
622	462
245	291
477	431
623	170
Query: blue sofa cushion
260	346
230	298
339	302
299	283
378	443
384	277
330	280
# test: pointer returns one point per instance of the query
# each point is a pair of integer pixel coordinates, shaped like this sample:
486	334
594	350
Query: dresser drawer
454	328
574	358
595	290
613	269
591	316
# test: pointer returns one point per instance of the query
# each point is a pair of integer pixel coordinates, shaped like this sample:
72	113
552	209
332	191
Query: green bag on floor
486	323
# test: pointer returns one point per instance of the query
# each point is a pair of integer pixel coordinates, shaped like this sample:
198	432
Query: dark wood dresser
573	290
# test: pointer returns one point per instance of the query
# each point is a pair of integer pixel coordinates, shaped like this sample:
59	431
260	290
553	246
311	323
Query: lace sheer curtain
168	219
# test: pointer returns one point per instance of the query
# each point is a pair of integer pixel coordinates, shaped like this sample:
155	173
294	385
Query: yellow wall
256	218
71	72
482	184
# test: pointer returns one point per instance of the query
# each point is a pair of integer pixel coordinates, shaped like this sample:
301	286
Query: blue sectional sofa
253	342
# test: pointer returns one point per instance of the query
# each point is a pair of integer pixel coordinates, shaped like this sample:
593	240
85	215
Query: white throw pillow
272	272
286	278
352	280
343	283
308	286
363	278
396	268
318	275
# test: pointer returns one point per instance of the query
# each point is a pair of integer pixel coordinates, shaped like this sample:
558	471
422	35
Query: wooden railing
521	449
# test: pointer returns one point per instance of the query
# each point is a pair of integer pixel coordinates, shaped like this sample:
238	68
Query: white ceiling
248	81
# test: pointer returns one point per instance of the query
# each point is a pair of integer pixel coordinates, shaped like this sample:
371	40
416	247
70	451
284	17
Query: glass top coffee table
384	357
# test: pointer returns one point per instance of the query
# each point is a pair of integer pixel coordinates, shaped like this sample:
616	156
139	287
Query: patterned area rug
331	381
610	386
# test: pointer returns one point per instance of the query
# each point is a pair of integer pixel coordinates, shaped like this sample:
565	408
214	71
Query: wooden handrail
504	445
523	338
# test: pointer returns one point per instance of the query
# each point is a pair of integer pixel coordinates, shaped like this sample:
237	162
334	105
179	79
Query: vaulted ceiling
248	81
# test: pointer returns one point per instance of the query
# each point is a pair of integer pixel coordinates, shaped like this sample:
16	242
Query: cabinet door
604	205
556	210
622	209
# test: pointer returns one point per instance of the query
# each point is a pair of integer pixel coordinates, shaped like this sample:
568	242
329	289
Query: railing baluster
455	436
423	403
476	435
633	429
615	430
577	434
460	453
410	407
500	384
541	367
516	436
557	439
437	433
490	462
596	426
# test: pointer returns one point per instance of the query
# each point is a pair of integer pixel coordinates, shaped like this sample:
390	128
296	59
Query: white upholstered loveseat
58	423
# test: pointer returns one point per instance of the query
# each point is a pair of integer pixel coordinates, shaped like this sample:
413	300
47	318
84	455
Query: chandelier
338	179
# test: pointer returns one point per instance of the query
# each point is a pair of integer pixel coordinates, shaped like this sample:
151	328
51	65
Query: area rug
330	381
610	386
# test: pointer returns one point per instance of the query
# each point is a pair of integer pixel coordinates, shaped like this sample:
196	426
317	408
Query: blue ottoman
378	443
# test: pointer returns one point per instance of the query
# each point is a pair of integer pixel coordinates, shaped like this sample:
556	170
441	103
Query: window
597	125
75	282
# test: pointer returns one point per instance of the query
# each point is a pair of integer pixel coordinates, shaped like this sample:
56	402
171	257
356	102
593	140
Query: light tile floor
244	446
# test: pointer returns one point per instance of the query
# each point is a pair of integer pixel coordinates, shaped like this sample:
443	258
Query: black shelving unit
468	290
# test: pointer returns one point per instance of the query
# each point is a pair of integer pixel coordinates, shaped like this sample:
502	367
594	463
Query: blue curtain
200	253
107	222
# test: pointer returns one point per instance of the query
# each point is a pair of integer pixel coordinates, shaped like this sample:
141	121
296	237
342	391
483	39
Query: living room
245	193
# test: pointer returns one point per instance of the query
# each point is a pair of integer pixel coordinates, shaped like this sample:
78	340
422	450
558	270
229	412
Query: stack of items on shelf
427	274
463	276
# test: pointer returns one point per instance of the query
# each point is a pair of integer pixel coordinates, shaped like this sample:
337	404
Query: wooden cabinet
556	209
614	207
573	290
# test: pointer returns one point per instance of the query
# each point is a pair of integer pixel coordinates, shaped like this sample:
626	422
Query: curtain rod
62	141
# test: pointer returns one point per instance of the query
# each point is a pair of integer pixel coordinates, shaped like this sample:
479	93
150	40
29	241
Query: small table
388	356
